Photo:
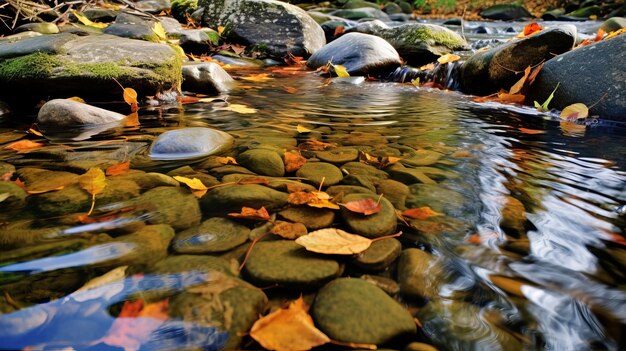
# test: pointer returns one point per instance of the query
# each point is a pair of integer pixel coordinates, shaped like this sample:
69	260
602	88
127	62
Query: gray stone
211	236
505	12
198	41
392	8
379	255
263	161
360	13
582	79
613	24
233	198
63	112
191	142
206	77
356	311
361	54
495	68
437	197
287	264
43	28
318	172
153	6
279	29
419	274
372	226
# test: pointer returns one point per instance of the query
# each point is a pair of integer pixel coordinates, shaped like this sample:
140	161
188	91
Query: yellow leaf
159	31
302	129
416	81
243	109
84	20
130	96
261	77
448	58
220	30
341	71
334	241
94	182
76	98
198	189
575	111
288	329
226	160
324	204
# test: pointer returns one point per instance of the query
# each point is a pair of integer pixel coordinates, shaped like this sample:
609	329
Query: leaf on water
365	206
291	90
135	324
24	146
443	59
421	213
544	107
198	189
130	96
302	129
94	182
293	161
159	31
514	98
316	145
86	21
289	230
340	71
260	77
118	169
76	98
251	213
288	329
334	242
243	109
531	131
416	82
517	87
575	111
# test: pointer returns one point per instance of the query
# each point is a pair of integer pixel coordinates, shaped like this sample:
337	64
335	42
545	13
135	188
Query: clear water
559	253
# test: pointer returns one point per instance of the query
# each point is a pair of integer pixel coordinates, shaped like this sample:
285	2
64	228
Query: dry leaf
514	98
260	77
293	161
379	162
365	206
135	324
421	213
130	96
239	108
443	59
341	71
288	329
289	230
575	111
302	129
118	169
198	189
220	30
251	213
316	145
94	182
318	199
24	146
334	241
531	131
226	160
291	90
86	21
76	98
530	29
517	87
158	29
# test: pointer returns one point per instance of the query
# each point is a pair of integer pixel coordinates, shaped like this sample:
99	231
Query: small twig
245	259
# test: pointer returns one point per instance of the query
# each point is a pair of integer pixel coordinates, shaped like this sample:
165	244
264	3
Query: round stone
263	161
379	255
312	218
189	143
372	226
233	198
213	235
316	172
338	155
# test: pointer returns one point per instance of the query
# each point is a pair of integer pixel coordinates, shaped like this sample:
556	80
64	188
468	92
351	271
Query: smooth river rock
213	235
233	198
191	142
263	161
372	226
320	172
63	112
206	77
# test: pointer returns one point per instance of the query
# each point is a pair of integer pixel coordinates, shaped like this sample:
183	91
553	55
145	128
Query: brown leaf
261	181
379	162
517	87
533	74
198	189
318	199
291	90
24	146
251	213
514	98
288	329
334	241
339	30
316	145
226	160
118	169
135	324
421	213
293	161
289	230
365	206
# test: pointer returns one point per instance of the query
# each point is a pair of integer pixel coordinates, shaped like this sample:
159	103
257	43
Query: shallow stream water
532	242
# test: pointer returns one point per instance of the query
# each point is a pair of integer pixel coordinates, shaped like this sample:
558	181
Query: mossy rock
318	172
233	198
287	264
361	169
419	274
312	218
179	264
211	236
148	180
372	226
338	155
12	198
263	161
182	8
356	311
169	205
379	255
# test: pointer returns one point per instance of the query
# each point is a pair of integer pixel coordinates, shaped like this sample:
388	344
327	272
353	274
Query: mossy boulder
182	8
372	226
356	311
213	235
65	64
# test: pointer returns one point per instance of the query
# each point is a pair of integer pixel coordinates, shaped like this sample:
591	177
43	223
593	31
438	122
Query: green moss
427	35
33	66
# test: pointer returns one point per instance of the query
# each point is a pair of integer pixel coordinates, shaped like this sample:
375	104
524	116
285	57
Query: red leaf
532	28
364	206
117	169
251	213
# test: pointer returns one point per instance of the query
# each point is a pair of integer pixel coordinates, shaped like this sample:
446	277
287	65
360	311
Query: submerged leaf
421	213
118	169
365	206
302	129
251	213
289	230
293	161
239	108
94	182
334	241
135	324
260	77
24	146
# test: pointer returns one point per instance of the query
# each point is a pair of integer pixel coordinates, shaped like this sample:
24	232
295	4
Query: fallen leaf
599	34
158	29
365	206
130	96
533	74
575	111
291	90
324	204
94	182
220	30
615	33
420	213
531	131
260	77
339	30
428	67
514	98
517	87
226	160
379	162
530	29
341	71
510	285
318	199
316	145
293	161
198	189
243	109
76	98
289	230
24	146
544	107
447	58
288	329
334	242
135	324
416	82
42	190
118	169
251	213
86	21
302	129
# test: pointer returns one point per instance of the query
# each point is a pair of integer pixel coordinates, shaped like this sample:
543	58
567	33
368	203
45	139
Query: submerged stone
169	205
379	255
419	274
371	226
312	218
263	161
233	198
63	112
188	143
213	235
320	172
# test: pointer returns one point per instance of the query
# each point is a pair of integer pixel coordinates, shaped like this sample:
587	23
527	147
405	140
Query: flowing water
532	246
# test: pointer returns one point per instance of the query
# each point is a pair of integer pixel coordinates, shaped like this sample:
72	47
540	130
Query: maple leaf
198	189
135	324
421	213
94	182
293	161
251	213
289	230
365	206
118	169
288	329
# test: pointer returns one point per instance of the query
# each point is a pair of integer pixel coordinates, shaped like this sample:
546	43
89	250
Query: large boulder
360	53
269	26
63	65
583	79
488	71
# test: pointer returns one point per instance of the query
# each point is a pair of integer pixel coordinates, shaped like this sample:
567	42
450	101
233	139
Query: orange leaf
316	145
251	213
289	230
293	161
447	58
514	98
517	87
420	213
339	30
365	206
135	324
261	181
225	160
118	169
531	29
291	90
130	96
531	131
261	77
24	146
35	132
599	35
301	198
533	74
379	162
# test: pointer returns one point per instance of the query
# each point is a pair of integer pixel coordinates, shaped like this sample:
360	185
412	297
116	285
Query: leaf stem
93	203
245	259
388	236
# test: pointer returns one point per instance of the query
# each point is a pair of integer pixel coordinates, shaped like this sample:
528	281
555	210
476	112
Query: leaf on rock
118	169
530	29
339	30
135	324
220	30
316	145
377	161
226	160
341	71
575	111
4	196
443	59
318	199
365	206
293	161
76	98
421	213
288	329
24	146
251	213
334	242
198	189
159	31
86	21
94	182
289	230
544	107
